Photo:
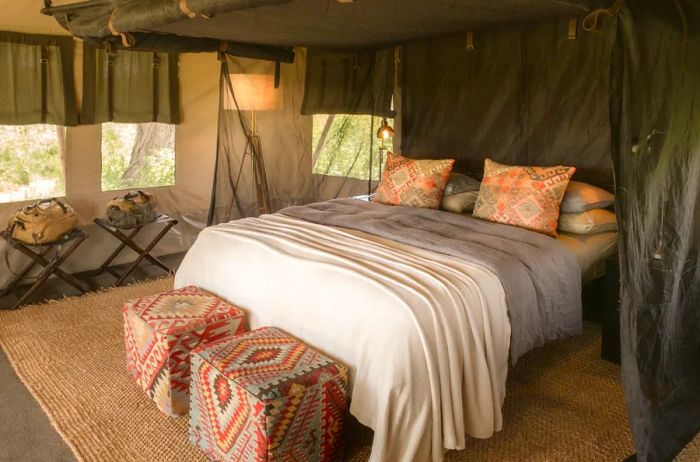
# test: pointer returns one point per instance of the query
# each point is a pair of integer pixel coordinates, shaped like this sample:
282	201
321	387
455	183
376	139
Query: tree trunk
322	139
149	138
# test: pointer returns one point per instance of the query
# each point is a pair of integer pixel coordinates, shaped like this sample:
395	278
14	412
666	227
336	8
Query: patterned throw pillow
413	183
528	197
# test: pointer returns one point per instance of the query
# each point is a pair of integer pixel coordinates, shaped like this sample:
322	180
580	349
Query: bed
427	308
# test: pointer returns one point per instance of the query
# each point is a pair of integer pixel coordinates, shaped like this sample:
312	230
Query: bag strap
130	196
53	201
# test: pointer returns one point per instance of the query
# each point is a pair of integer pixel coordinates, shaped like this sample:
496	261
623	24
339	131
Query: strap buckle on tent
221	54
44	59
111	51
573	28
470	40
593	21
278	73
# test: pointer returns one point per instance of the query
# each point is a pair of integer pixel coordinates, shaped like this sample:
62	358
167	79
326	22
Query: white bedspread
426	336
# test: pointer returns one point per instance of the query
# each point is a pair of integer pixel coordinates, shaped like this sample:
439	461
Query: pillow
528	197
580	197
590	222
460	203
413	183
460	183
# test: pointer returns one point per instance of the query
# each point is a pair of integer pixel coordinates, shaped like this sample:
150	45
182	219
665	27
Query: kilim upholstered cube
265	396
160	332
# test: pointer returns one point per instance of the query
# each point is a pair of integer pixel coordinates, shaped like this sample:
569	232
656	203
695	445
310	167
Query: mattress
591	251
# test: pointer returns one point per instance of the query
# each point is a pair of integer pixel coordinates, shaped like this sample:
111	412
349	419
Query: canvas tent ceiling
332	24
325	23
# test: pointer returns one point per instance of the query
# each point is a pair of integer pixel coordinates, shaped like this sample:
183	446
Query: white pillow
590	222
581	197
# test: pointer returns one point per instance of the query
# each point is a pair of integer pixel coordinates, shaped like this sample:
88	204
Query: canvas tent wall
195	146
649	129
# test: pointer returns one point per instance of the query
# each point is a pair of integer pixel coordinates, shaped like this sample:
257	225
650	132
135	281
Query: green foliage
30	163
346	148
118	141
160	170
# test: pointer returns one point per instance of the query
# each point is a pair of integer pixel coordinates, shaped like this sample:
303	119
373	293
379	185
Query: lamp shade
254	92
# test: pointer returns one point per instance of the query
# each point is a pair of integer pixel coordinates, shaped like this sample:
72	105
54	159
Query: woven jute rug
563	402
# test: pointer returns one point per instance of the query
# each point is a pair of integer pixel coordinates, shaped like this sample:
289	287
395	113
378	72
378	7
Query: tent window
31	162
137	155
342	143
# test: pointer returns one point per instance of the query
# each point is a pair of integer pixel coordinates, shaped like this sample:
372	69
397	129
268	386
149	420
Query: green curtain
129	86
349	82
36	80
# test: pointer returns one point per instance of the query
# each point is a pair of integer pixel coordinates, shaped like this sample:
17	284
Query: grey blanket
540	276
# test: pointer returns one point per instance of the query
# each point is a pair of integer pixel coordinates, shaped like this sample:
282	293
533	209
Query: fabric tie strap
593	21
188	12
128	40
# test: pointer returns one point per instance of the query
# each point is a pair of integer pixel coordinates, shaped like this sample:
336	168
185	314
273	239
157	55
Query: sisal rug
563	402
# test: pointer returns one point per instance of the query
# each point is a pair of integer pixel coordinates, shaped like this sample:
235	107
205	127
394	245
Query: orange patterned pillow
528	197
413	183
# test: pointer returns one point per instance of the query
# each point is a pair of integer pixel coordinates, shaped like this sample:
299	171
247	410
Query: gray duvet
540	277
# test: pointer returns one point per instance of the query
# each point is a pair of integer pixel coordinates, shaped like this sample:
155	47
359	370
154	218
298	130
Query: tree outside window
137	156
32	162
341	145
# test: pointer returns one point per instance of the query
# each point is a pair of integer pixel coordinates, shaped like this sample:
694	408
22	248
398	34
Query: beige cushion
590	222
460	183
460	203
580	197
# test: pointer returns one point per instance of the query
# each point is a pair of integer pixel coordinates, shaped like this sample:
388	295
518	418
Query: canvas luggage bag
132	210
42	222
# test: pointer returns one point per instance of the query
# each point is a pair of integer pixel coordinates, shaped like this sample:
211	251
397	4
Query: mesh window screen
266	152
656	93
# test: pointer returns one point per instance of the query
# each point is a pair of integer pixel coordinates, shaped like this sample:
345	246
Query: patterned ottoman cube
265	396
160	331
